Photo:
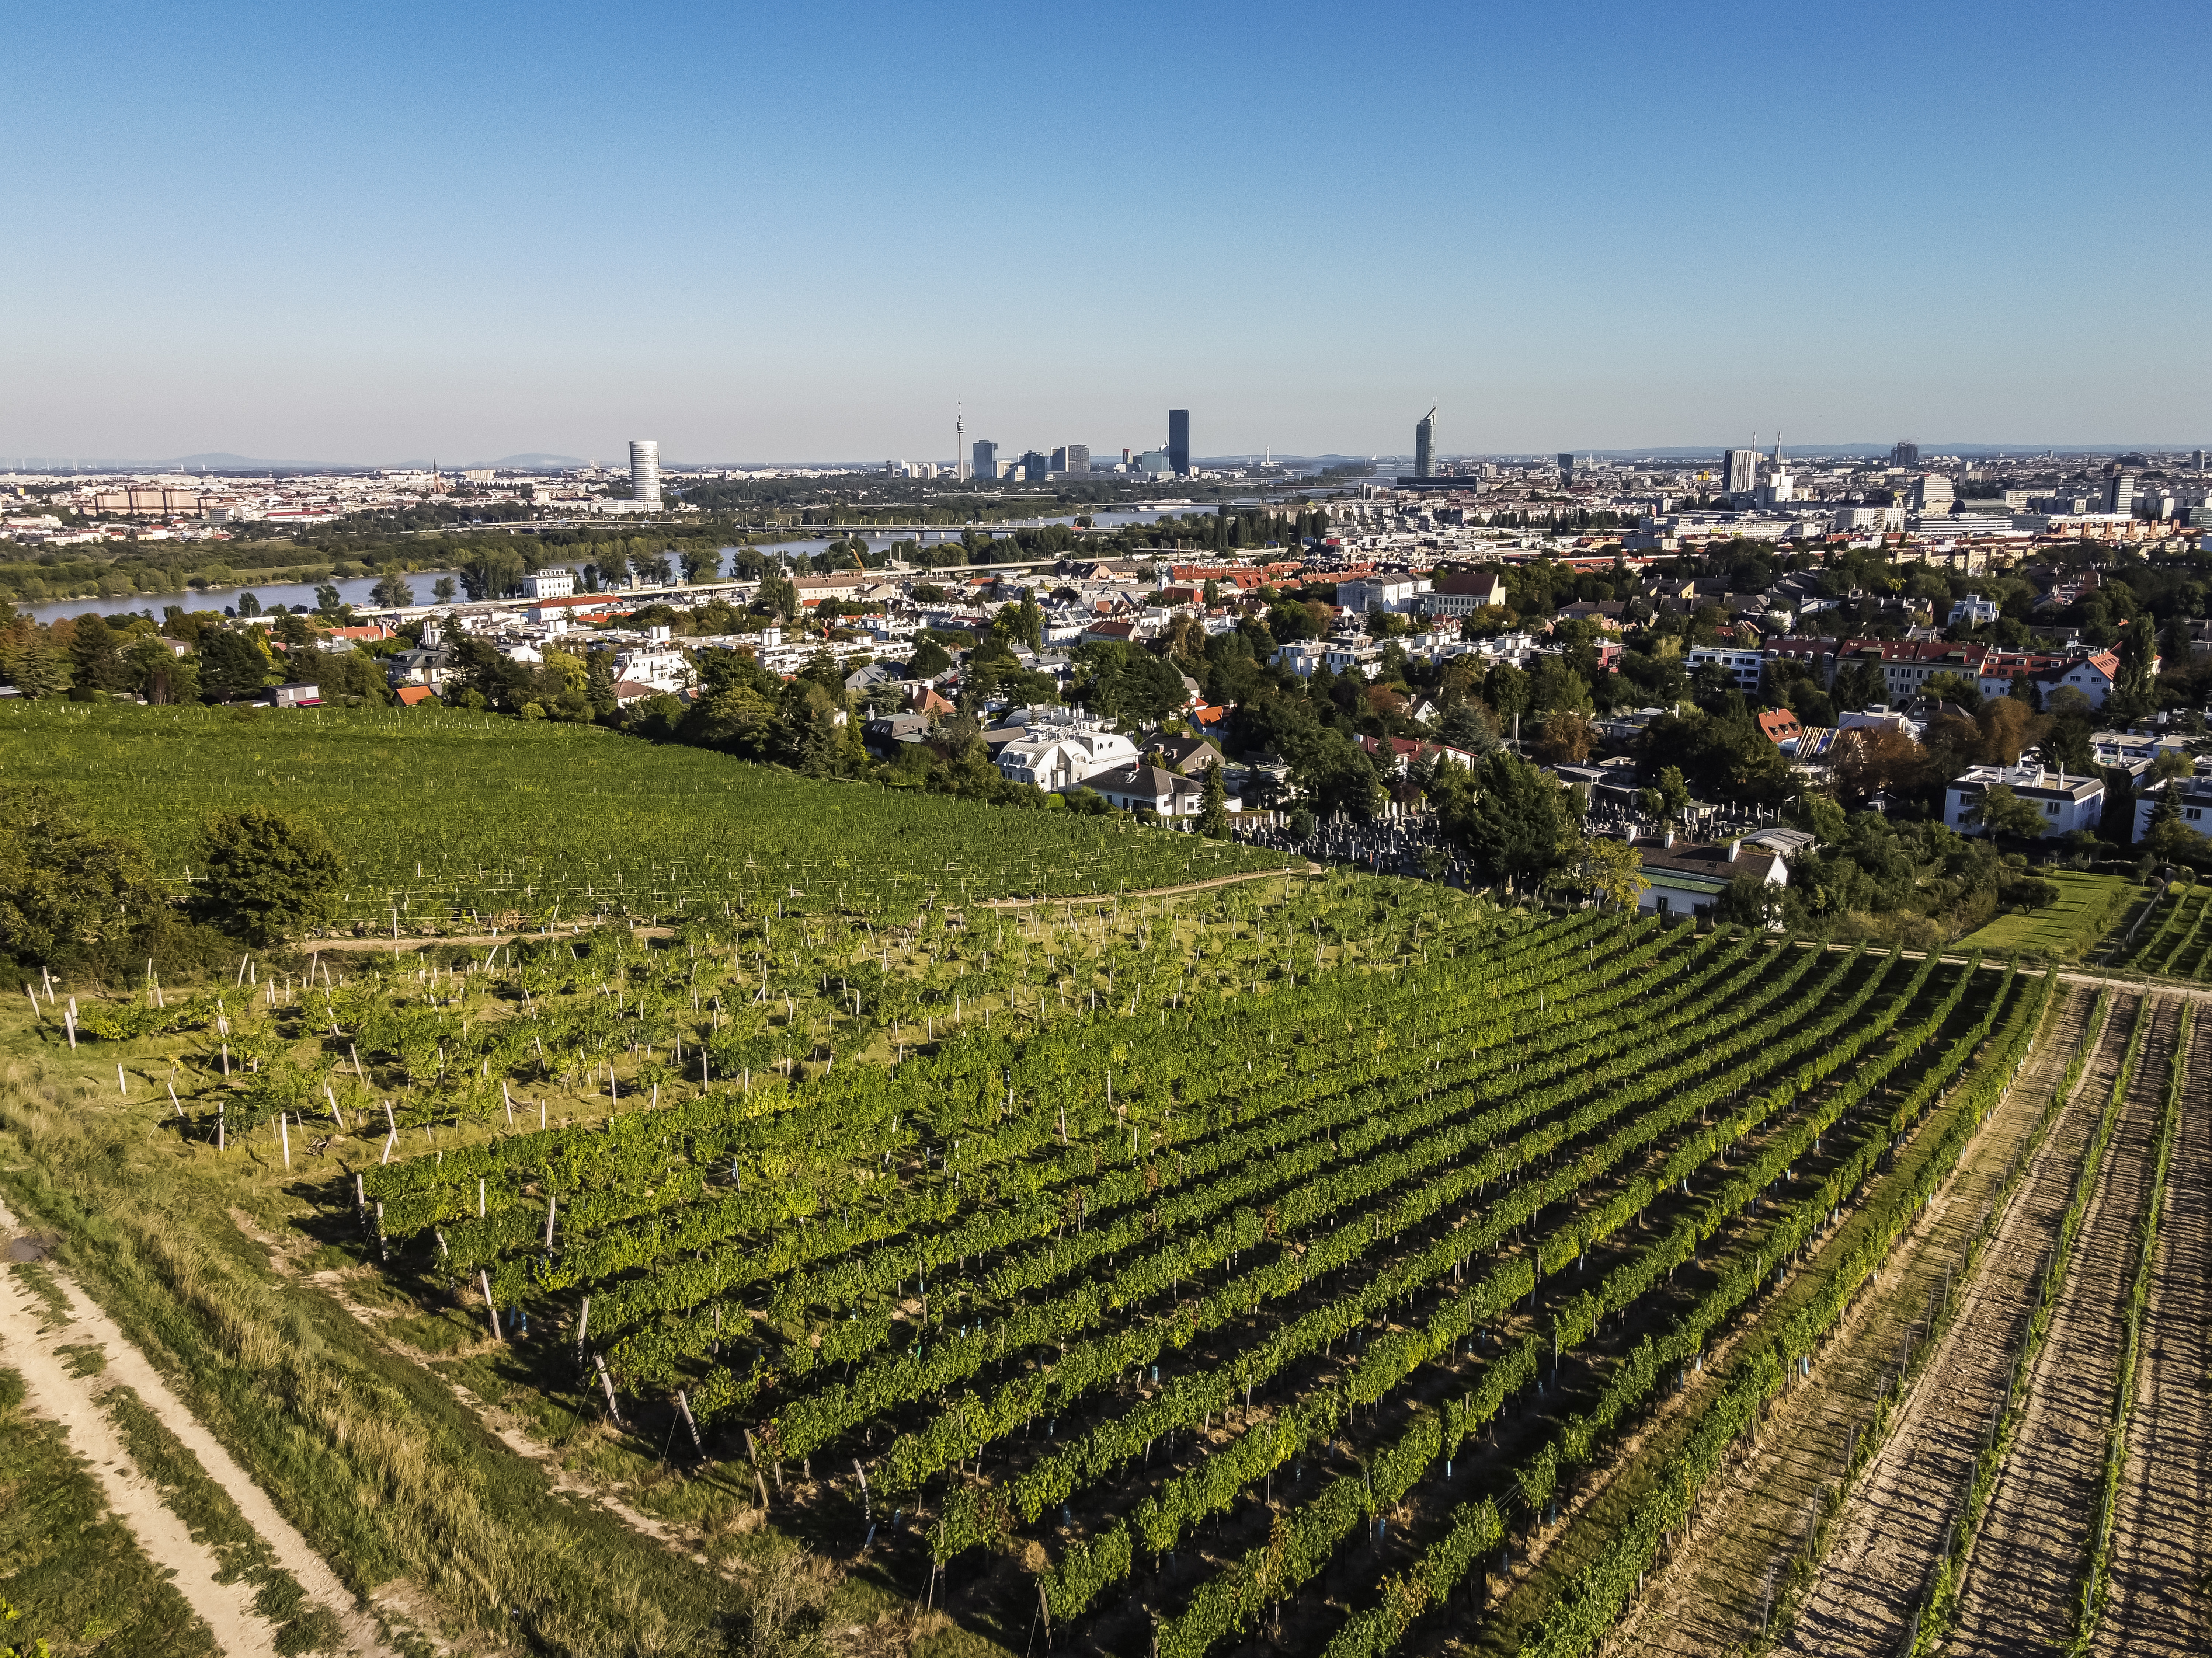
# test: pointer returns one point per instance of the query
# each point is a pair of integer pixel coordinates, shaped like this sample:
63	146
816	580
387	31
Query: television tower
960	468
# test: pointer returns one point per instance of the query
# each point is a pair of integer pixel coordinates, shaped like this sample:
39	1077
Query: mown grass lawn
2088	908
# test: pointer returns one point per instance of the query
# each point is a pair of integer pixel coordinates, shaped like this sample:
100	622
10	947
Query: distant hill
539	463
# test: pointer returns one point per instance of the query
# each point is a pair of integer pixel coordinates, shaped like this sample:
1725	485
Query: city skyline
617	458
364	265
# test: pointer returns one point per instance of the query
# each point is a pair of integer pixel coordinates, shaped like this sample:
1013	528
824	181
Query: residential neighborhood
1343	665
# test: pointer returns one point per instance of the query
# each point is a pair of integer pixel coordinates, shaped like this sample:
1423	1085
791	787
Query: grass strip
74	1578
213	1519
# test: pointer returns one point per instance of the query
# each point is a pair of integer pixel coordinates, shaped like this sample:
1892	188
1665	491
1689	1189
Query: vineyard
1276	1264
458	824
2173	938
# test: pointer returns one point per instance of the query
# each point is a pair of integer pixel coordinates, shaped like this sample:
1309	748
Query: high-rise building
1905	457
2120	490
987	459
1932	494
1566	468
1739	470
1035	466
645	474
1425	445
1179	441
2200	463
1072	457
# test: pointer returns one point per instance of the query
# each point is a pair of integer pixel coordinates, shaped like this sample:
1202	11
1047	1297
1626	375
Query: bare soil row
2156	1606
1885	1538
1714	1592
2022	1582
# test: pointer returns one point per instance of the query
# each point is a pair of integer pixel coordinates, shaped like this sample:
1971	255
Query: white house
1687	878
2067	803
1463	594
1393	593
1055	758
1973	612
550	584
1140	787
661	666
2193	795
2093	675
1433	645
1352	655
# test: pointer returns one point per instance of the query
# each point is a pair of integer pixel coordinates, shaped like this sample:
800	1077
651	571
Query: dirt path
53	1392
1707	1597
2156	1605
1883	1542
2021	1580
404	944
1152	892
73	1401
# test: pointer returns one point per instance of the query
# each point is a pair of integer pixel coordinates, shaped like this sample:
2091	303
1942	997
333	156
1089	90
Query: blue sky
466	231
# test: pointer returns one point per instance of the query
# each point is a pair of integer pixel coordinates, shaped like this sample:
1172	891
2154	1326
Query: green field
453	822
2088	907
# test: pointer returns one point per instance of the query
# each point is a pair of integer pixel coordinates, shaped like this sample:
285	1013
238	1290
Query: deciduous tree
2001	812
265	876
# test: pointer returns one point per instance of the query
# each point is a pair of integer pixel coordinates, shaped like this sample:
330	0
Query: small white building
550	584
2067	801
1353	656
2094	675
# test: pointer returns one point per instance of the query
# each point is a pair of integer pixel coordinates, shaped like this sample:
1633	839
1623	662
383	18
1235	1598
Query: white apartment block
2067	802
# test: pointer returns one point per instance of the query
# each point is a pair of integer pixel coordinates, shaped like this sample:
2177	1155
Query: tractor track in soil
30	1343
1890	1528
2156	1606
1706	1598
2022	1580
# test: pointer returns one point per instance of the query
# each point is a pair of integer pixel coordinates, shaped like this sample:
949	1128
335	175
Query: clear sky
465	231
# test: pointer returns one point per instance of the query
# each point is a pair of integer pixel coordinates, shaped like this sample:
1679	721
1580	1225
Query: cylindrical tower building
645	473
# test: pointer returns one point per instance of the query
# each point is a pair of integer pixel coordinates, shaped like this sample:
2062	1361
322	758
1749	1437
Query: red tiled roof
1779	724
409	695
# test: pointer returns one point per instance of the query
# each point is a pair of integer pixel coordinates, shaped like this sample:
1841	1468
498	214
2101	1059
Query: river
356	590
